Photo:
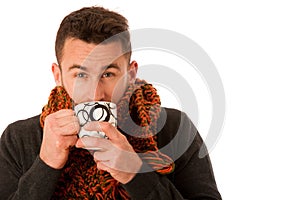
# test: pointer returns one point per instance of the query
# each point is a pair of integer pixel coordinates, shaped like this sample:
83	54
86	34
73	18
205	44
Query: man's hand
116	156
60	133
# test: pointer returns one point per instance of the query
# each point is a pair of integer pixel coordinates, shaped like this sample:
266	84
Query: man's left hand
116	155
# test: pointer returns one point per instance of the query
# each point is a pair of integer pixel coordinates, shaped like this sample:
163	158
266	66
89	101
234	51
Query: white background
255	46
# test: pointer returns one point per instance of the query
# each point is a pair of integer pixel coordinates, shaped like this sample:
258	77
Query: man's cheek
119	89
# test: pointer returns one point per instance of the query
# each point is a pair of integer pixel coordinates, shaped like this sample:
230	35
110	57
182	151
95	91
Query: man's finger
72	128
93	126
102	155
93	142
64	113
67	120
111	132
103	166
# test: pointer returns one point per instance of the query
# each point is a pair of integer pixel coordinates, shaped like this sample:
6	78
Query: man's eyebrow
77	67
112	65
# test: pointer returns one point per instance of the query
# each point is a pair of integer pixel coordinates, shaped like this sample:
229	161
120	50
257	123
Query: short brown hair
92	25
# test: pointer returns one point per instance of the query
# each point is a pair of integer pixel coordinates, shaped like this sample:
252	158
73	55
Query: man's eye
107	75
81	75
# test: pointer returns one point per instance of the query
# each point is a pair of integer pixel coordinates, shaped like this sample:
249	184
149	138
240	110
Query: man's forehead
110	49
103	58
104	55
87	54
97	61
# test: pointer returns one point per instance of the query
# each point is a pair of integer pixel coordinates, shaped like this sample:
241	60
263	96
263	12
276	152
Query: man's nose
97	91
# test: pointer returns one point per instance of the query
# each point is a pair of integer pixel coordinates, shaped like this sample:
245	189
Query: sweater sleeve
151	185
23	174
193	177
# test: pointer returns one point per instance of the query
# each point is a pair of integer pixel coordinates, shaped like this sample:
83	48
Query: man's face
92	72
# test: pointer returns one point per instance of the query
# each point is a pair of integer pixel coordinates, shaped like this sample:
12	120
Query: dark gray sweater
25	176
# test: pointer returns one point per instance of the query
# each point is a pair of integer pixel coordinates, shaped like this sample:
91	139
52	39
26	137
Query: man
152	154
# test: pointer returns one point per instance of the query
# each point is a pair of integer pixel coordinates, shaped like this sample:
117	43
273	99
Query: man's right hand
60	133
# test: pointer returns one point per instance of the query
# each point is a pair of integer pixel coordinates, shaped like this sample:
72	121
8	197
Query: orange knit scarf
80	178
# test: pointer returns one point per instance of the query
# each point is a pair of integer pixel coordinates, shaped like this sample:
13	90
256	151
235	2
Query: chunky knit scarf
138	111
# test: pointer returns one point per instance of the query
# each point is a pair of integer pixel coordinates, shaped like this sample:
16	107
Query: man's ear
133	68
56	74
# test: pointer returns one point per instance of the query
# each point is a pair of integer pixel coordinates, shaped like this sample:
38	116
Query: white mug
95	111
